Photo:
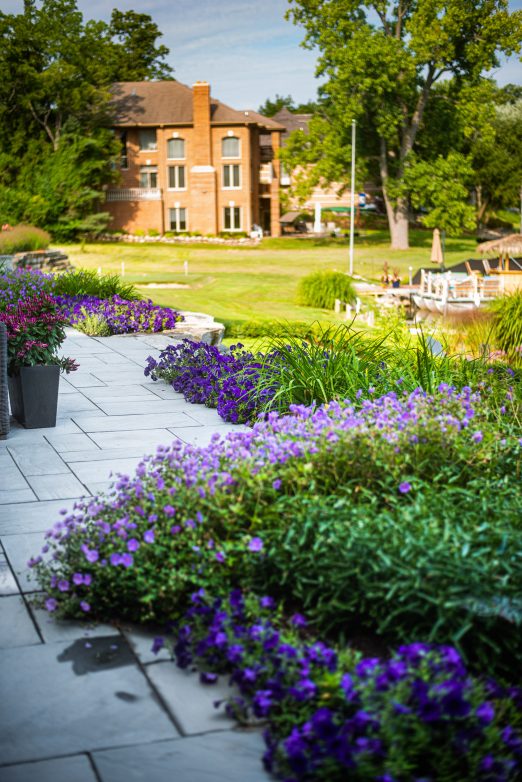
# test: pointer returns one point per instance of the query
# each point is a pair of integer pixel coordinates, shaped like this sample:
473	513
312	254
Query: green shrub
85	282
381	520
93	325
508	324
438	564
23	238
271	328
153	232
321	289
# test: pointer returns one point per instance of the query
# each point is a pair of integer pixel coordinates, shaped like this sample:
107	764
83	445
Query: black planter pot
33	394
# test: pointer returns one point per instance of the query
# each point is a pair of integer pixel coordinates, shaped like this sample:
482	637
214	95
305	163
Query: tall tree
272	106
382	61
55	74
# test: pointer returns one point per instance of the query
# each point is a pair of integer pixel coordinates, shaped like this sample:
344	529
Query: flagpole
352	212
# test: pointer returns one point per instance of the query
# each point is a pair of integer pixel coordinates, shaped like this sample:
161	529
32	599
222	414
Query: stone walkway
84	703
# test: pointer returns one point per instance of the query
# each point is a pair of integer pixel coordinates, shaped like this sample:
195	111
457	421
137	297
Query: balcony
266	174
134	194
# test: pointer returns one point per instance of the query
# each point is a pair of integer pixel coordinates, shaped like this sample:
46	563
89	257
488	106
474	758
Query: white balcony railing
134	194
266	174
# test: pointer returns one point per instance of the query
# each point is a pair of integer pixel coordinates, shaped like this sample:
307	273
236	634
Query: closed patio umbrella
436	248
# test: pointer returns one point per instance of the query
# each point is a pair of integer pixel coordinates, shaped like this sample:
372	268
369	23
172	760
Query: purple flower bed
417	715
122	316
206	375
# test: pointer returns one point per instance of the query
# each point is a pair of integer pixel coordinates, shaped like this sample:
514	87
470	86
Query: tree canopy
383	63
272	106
57	149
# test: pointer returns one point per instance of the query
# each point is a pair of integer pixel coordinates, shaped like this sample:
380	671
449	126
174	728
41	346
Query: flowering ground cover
108	314
400	515
333	716
119	315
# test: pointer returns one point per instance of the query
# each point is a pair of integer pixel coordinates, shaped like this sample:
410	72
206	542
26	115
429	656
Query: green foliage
440	186
412	531
421	567
273	106
271	328
89	283
381	65
23	238
508	325
57	150
342	363
93	325
321	289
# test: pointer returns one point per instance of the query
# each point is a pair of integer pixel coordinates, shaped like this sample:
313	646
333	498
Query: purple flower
208	678
91	555
148	536
133	544
220	556
298	620
85	606
276	484
477	437
175	529
63	585
127	560
168	510
256	544
51	604
77	579
115	559
485	713
157	644
404	487
267	602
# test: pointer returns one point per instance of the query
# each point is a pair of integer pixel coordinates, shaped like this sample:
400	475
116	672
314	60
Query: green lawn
255	282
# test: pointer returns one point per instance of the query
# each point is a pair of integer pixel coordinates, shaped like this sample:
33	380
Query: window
124	156
178	219
231	176
147	137
232	218
148	177
230	147
176	149
177	178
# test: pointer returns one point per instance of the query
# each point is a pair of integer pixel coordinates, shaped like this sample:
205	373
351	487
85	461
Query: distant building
323	197
189	163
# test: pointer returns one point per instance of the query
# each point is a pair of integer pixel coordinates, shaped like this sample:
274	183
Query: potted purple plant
35	331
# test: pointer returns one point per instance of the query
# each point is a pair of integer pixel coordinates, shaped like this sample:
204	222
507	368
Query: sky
244	48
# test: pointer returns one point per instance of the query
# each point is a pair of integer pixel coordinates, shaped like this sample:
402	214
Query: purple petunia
404	487
255	544
148	536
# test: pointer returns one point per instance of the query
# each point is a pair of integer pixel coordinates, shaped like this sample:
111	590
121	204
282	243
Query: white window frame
184	156
231	167
148	130
231	157
176	210
232	207
176	177
148	170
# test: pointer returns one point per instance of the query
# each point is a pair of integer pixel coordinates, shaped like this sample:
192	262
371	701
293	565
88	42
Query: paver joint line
109	392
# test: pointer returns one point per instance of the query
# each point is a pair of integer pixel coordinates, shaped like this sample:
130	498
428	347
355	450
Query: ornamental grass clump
508	325
84	282
216	517
119	315
332	716
321	289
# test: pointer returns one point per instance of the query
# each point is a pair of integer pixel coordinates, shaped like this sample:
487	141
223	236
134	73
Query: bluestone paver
82	702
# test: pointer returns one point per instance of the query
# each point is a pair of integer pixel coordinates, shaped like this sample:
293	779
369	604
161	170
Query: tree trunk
398	222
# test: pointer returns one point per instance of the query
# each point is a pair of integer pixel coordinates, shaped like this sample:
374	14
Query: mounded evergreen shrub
321	289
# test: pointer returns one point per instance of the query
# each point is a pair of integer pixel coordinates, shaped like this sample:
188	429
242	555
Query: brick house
191	163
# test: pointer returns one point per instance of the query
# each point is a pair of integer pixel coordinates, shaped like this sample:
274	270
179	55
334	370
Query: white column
317	221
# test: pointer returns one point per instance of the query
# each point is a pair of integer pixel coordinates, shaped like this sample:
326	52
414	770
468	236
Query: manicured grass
255	282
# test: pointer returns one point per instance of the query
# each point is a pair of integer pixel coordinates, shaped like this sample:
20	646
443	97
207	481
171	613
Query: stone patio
91	703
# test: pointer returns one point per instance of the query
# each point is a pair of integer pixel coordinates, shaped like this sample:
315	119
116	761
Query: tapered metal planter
33	392
4	398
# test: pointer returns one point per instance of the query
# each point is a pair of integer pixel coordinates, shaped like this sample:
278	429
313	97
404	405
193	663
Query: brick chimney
201	119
